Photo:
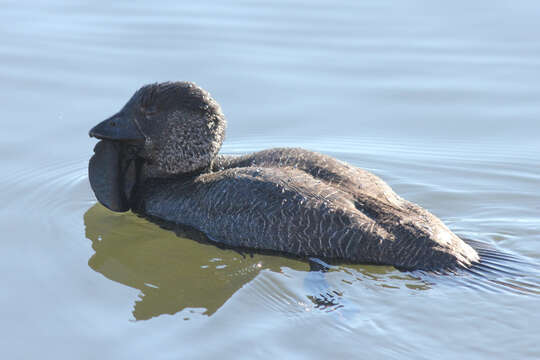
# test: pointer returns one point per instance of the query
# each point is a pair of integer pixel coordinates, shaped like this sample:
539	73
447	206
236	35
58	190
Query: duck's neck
222	162
148	185
151	171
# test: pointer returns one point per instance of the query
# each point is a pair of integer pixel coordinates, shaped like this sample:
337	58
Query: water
440	100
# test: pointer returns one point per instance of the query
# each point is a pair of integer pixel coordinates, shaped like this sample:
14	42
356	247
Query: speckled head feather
182	124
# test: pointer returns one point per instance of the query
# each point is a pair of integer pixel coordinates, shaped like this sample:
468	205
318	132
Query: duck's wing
338	174
281	209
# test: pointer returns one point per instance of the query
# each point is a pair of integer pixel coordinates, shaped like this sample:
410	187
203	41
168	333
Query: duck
159	158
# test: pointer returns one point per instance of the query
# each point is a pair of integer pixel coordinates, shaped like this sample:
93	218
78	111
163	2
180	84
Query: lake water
439	99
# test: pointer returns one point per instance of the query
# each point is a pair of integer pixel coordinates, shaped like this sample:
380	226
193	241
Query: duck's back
327	169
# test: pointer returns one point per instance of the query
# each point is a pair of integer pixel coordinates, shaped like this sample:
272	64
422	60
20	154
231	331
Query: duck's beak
118	127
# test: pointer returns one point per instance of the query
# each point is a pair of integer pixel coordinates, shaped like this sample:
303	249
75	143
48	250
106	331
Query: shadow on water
171	272
175	273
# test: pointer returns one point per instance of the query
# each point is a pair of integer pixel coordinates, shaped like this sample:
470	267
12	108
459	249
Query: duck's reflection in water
173	272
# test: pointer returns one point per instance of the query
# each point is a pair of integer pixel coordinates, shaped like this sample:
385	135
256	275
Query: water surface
440	100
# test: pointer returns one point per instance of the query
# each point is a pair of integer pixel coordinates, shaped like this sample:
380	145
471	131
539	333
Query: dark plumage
289	200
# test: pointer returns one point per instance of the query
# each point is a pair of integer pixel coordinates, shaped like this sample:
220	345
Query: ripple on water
395	149
52	196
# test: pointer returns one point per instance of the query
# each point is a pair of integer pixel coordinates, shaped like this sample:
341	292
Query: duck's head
170	129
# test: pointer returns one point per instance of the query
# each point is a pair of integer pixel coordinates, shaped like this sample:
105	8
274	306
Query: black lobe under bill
112	176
